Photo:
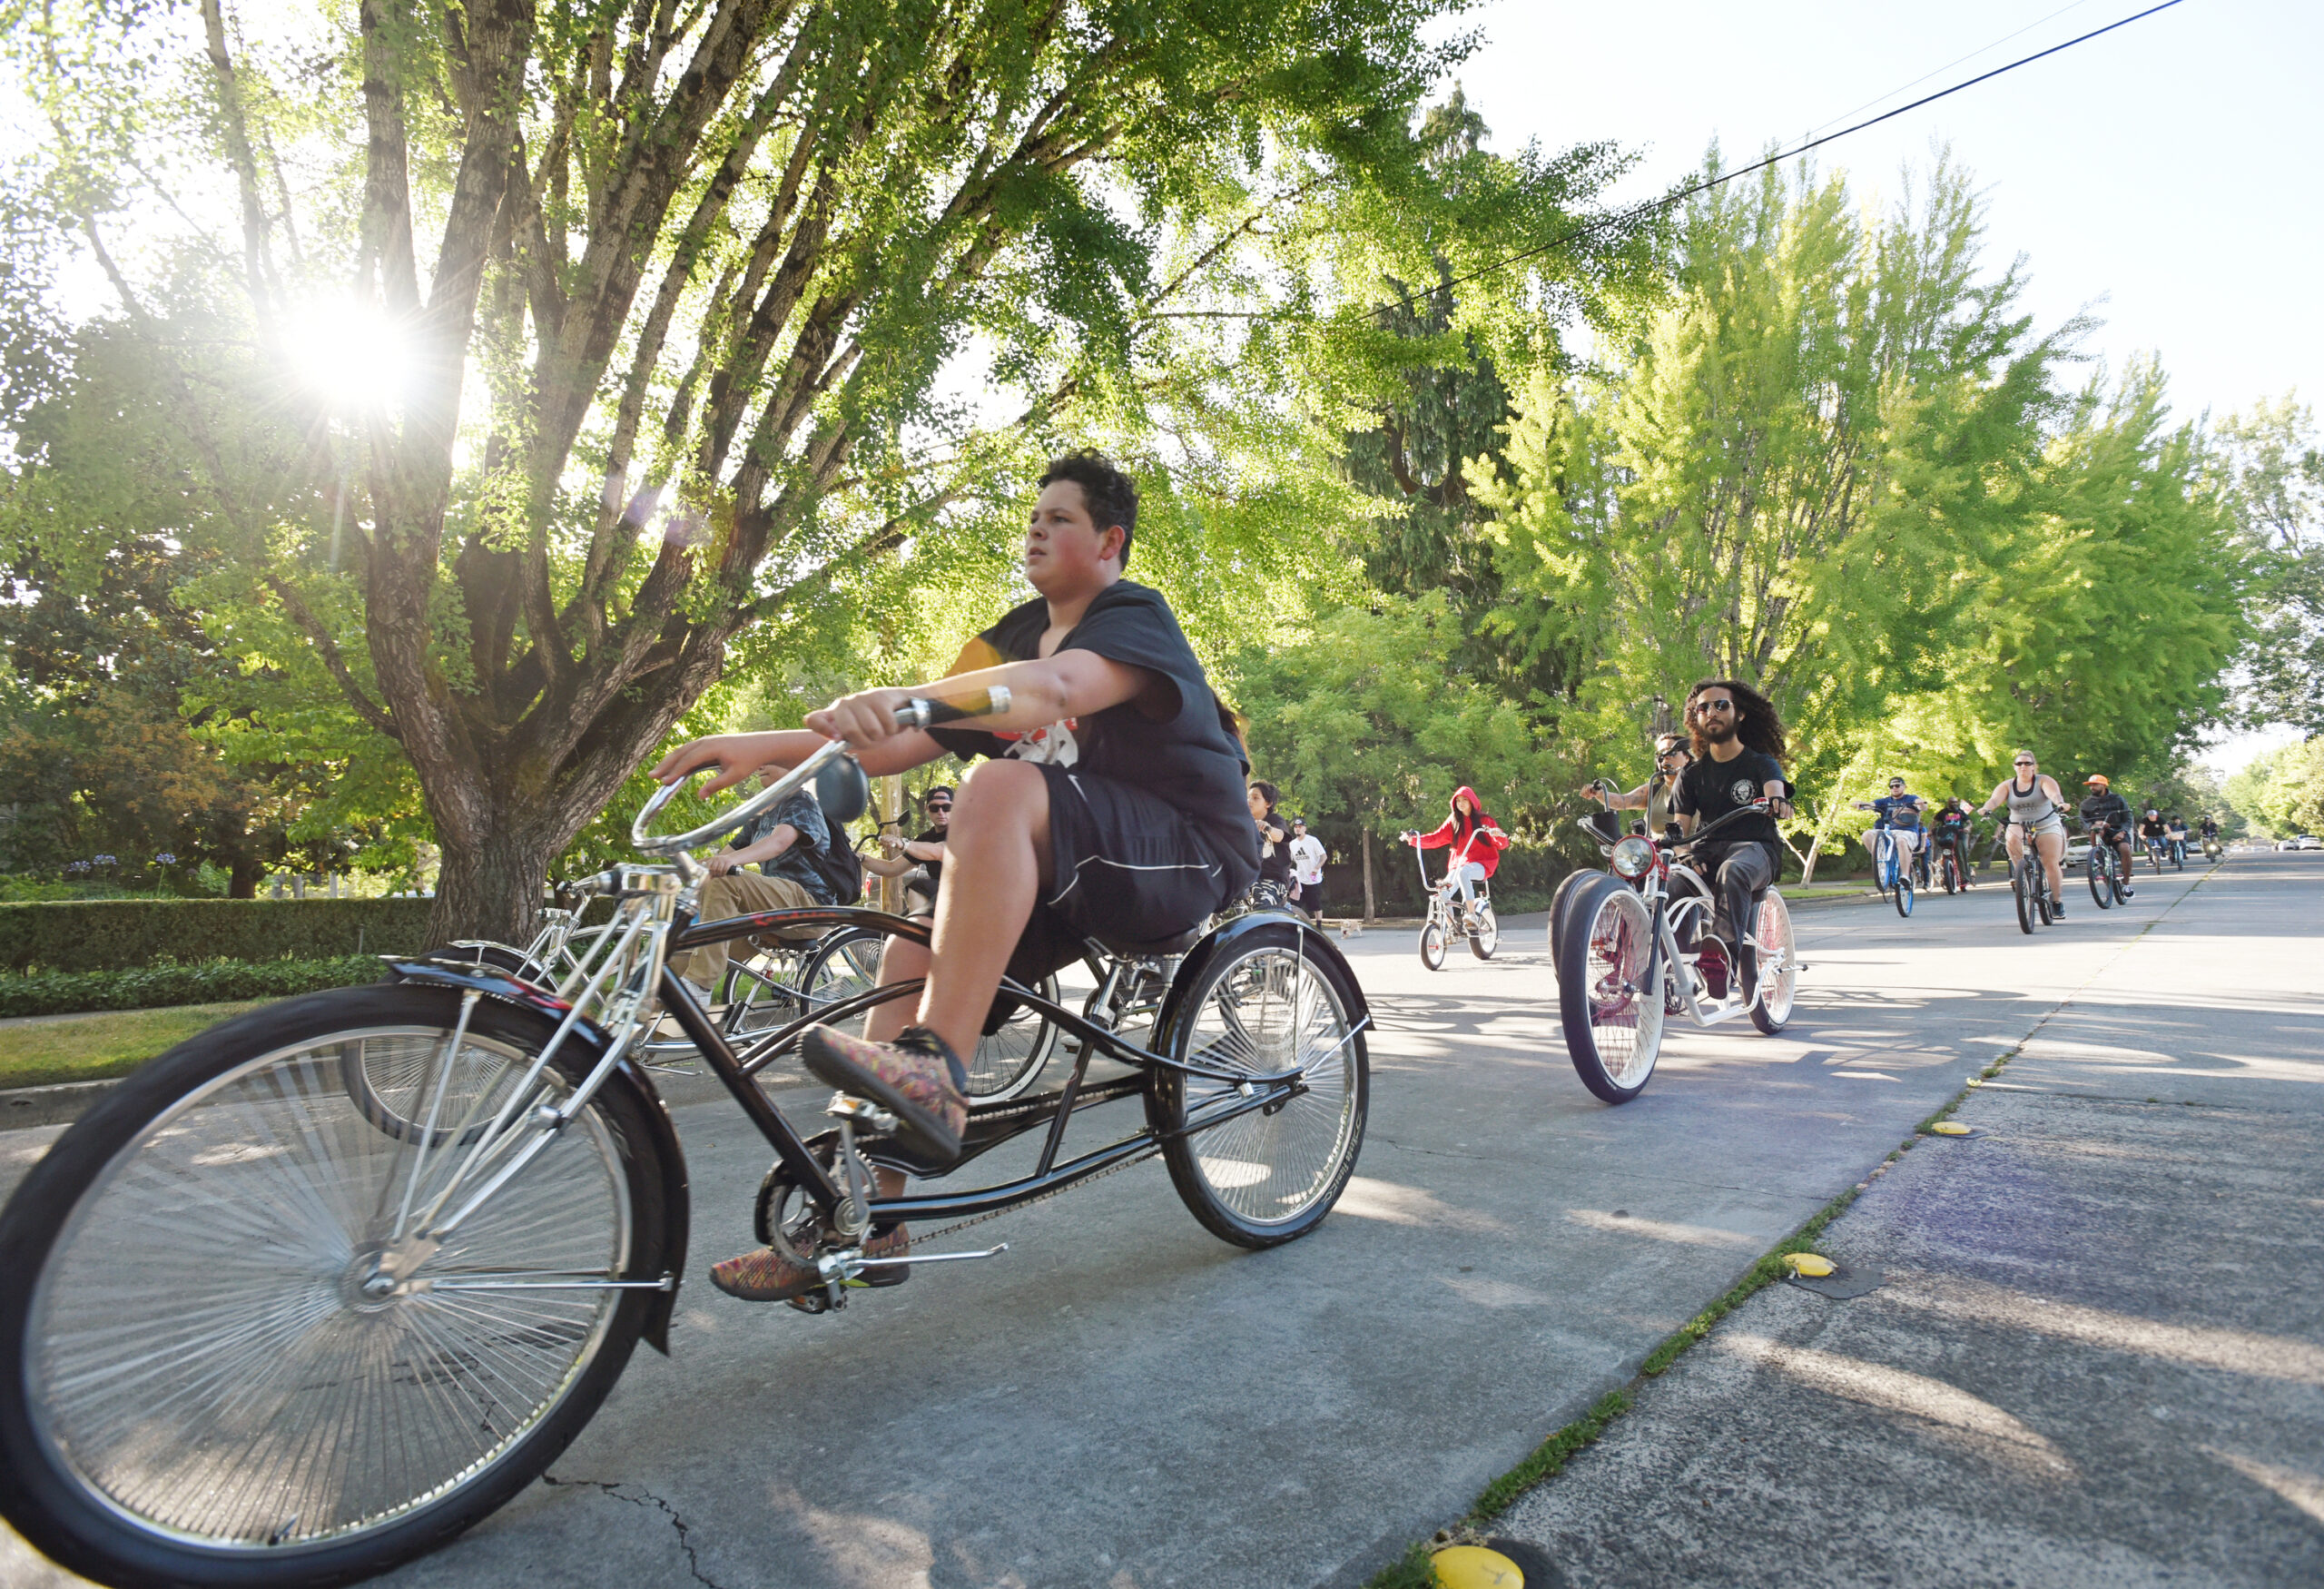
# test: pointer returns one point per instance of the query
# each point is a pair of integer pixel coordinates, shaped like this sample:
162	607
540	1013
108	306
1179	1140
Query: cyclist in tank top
2034	802
1672	755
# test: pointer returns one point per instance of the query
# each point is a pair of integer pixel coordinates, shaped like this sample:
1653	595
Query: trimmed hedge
216	983
122	935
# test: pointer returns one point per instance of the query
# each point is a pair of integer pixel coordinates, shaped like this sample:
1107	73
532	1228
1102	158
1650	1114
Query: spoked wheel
1951	867
2102	877
1010	1054
1778	966
1432	944
2022	888
251	1338
1487	937
841	966
1613	1019
1268	1003
763	993
1905	891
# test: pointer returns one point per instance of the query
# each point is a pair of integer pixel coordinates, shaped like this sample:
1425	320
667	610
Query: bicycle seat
1159	949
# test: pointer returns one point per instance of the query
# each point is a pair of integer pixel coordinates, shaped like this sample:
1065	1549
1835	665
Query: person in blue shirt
1900	813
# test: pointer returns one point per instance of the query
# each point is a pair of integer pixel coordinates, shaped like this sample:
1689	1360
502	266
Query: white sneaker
707	998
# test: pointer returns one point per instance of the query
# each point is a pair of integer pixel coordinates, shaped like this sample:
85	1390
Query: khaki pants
742	894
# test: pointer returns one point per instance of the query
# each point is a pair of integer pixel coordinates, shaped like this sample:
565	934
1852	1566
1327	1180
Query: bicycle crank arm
481	1283
889	1263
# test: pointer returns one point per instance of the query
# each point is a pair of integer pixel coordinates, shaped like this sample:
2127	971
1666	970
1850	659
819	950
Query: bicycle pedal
868	1118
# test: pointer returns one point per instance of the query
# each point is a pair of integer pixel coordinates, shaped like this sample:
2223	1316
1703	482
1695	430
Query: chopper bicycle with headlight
1627	945
326	1285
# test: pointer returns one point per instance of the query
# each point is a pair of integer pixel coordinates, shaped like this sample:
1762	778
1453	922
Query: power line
1670	200
1936	71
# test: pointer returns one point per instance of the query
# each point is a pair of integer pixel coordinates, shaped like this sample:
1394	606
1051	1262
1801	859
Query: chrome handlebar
912	714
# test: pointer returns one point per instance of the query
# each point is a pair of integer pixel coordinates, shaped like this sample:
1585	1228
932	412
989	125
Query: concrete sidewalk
2098	1354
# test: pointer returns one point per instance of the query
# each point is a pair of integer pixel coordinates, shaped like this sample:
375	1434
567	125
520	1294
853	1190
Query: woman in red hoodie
1476	845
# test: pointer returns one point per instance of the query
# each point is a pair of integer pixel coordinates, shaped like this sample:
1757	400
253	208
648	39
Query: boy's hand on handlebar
719	866
865	717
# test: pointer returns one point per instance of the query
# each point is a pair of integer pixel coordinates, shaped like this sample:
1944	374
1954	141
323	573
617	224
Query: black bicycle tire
61	1520
1574	992
2021	890
1559	901
1166	1096
1905	892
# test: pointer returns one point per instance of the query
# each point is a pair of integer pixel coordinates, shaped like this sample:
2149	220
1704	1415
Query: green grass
88	1048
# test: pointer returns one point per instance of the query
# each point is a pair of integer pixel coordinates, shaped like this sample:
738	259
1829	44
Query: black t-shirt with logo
1709	789
1189	759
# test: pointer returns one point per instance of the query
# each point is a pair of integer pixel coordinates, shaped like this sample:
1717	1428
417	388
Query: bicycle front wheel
2102	878
2021	888
1905	892
1778	965
1266	1003
1011	1056
229	1354
1612	1020
1432	944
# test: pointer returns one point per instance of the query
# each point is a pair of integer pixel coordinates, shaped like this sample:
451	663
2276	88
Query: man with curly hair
1738	744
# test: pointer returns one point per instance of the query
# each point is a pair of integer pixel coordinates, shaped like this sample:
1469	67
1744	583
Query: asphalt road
2096	1354
1123	1400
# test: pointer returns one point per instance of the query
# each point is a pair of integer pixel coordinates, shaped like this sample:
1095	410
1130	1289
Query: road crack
650	1502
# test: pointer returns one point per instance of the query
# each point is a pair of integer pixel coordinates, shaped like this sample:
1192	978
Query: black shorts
1126	867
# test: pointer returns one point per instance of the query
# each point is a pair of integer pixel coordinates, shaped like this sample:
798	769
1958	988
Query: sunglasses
2025	763
940	805
1720	705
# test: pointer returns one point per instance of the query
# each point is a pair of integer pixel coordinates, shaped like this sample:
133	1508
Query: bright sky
2162	176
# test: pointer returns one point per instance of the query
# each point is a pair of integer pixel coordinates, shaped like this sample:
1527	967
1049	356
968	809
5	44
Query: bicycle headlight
1634	857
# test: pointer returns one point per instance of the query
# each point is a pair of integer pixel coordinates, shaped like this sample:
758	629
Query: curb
60	1104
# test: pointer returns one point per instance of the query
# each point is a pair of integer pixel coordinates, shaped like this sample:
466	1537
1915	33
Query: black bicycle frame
1265	1092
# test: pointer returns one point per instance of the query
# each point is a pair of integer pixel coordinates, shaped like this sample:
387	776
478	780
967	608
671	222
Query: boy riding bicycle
1112	807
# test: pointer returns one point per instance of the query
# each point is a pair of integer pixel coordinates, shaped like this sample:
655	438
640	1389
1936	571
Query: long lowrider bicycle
1627	943
318	1289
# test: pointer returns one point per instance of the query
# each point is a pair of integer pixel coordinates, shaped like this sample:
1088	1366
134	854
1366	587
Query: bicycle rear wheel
225	1358
1778	967
1268	1003
1487	937
1612	1020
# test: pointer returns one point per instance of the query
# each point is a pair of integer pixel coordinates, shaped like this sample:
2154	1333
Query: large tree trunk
490	886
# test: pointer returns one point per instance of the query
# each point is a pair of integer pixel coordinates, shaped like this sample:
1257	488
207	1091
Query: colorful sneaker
766	1276
917	1079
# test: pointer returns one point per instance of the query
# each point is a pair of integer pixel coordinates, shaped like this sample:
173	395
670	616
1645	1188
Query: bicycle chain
976	1219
